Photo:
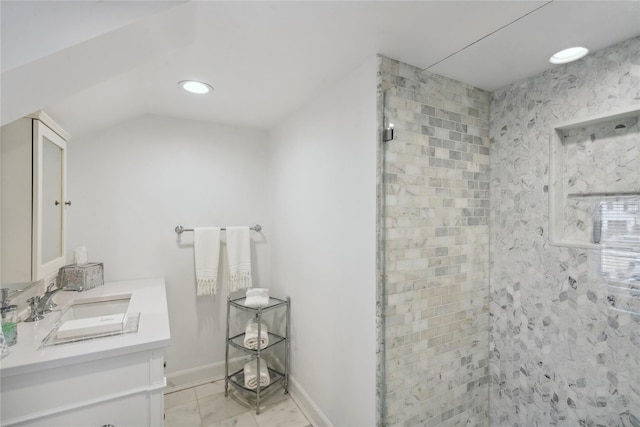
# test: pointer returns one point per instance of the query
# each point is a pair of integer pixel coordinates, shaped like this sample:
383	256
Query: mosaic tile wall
436	214
564	344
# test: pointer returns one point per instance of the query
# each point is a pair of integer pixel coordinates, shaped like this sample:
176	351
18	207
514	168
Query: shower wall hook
387	134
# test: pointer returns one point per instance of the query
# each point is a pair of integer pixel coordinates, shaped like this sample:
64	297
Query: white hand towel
239	254
257	297
206	247
251	335
251	374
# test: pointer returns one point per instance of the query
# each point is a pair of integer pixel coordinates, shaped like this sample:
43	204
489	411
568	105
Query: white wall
311	184
323	171
130	186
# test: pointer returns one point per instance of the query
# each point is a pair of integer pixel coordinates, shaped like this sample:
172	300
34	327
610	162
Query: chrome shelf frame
237	341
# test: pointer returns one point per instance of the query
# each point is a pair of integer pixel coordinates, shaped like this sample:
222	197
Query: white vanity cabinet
111	381
125	390
34	198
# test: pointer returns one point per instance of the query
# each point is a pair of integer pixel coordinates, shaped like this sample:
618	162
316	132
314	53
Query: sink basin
93	316
96	307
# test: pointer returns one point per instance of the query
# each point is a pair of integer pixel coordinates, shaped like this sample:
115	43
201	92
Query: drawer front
132	411
39	395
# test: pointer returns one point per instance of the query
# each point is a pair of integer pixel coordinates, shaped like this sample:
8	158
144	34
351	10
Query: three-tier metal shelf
236	378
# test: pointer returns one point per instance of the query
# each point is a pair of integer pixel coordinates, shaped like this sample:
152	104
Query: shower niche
594	178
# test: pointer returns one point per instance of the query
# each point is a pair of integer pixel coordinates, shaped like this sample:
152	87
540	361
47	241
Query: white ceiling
91	64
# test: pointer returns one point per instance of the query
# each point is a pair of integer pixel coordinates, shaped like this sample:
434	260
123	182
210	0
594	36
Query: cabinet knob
108	425
68	203
56	203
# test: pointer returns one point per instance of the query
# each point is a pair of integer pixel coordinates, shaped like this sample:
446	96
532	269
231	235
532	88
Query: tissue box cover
80	278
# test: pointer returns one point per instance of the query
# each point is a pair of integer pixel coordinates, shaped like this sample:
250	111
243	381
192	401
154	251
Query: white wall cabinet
34	198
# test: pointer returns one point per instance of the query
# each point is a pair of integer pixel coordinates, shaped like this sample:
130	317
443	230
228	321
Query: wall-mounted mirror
52	199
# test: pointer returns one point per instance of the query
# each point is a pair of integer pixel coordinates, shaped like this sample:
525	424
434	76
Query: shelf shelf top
238	342
605	194
237	379
630	111
273	303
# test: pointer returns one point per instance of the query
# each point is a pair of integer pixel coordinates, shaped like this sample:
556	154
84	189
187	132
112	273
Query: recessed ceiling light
195	87
568	55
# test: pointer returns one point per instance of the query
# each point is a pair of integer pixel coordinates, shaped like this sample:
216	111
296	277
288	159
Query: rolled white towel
251	335
251	374
257	297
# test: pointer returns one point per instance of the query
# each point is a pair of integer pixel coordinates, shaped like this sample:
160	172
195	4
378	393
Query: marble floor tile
243	420
217	407
183	415
285	414
179	397
207	406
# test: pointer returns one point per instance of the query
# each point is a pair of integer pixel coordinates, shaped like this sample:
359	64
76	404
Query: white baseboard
308	407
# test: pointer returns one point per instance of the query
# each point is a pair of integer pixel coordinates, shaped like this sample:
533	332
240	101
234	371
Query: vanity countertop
148	297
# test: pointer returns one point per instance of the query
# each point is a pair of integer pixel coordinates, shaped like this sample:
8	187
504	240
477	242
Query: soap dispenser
9	318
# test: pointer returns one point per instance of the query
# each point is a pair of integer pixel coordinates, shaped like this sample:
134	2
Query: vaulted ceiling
91	64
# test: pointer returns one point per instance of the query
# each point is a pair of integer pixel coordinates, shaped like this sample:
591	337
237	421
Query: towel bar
179	229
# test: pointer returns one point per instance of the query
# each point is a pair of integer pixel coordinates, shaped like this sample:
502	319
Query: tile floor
206	406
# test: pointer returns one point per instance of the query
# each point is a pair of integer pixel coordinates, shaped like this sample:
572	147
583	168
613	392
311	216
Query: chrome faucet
42	305
46	304
34	316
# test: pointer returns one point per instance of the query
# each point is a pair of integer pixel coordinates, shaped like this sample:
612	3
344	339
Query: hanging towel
251	335
251	374
206	247
239	254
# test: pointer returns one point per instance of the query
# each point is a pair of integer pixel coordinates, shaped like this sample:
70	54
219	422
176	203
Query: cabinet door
49	193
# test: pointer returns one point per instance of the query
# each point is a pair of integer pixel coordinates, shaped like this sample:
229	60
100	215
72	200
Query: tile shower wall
564	348
436	212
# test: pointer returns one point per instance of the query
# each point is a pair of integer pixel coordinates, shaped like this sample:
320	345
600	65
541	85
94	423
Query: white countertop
148	297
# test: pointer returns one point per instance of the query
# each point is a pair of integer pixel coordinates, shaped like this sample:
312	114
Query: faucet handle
33	305
46	304
4	292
